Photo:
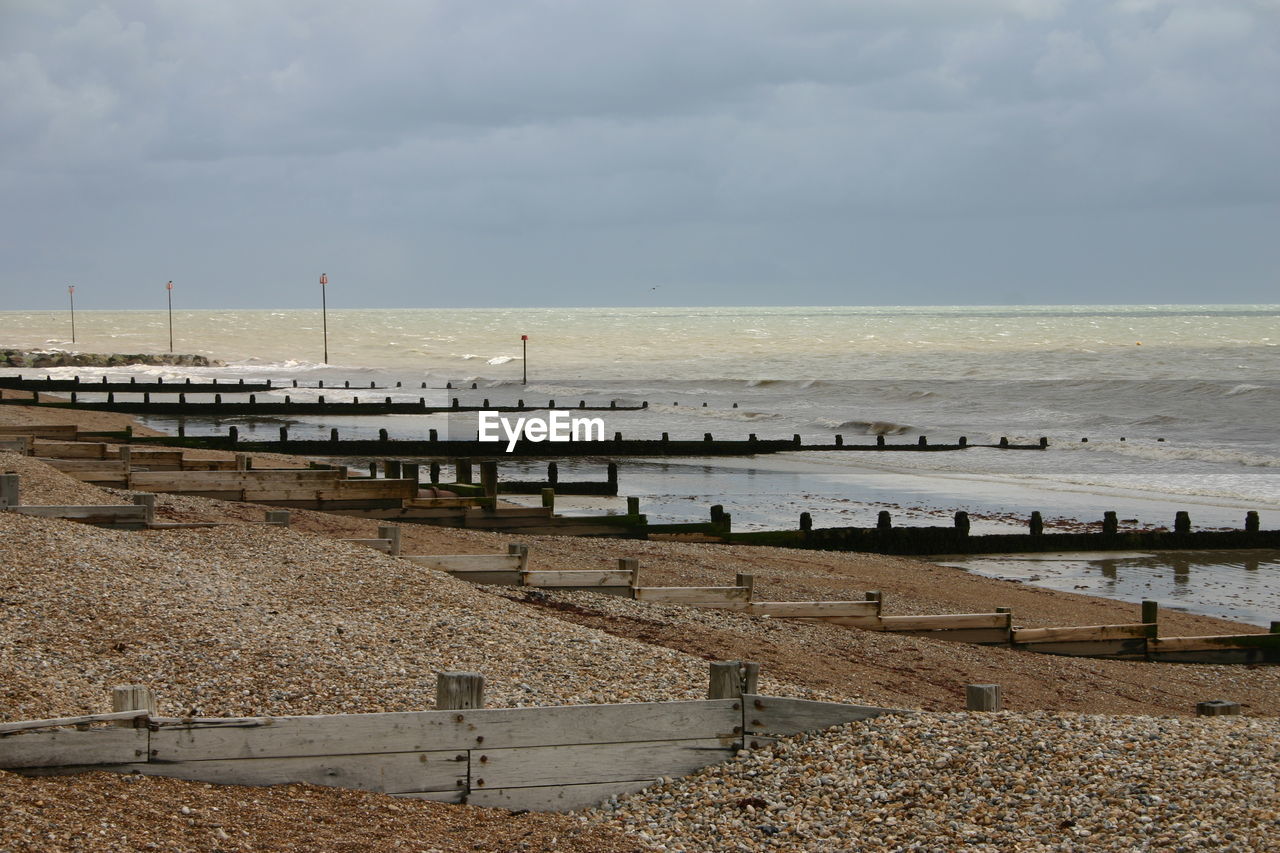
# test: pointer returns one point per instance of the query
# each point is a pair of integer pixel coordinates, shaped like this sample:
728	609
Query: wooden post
750	677
489	478
611	476
884	521
391	469
549	499
132	697
633	506
462	470
983	697
284	434
1182	522
456	691
392	532
373	470
9	490
631	564
278	516
149	501
410	471
962	523
1150	612
725	680
806	521
434	472
126	459
1251	521
1275	627
1036	524
553	473
520	550
1217	708
749	581
242	462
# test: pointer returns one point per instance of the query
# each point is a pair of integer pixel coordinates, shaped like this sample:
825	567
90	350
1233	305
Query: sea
1148	410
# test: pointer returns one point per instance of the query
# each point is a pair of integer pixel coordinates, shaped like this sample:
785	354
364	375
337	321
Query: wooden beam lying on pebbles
114	716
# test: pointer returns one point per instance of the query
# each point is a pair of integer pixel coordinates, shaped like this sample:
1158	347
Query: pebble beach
246	619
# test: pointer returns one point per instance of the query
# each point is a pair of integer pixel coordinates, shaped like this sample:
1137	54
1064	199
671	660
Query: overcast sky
600	152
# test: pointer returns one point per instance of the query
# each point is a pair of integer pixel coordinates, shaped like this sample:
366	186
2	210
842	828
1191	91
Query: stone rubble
979	782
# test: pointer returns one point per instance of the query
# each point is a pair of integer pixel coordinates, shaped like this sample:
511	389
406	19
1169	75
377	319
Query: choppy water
1205	379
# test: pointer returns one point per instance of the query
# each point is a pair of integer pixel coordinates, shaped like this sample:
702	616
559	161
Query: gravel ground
980	782
244	619
121	814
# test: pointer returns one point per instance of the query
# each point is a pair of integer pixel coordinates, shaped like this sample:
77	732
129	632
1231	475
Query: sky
456	153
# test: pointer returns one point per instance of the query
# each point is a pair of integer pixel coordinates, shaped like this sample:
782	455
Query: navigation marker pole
71	293
524	358
169	290
324	314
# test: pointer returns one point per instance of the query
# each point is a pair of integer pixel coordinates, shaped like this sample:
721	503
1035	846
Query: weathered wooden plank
385	772
510	512
114	716
466	562
455	797
85	464
70	746
383	545
976	636
577	578
20	444
123	512
59	431
175	481
866	623
1228	641
723	597
775	715
1120	649
417	731
946	621
595	763
48	448
1239	648
1075	634
487	577
812	609
553	798
442	503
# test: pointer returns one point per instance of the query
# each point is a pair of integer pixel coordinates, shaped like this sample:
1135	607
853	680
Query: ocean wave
867	427
501	359
1167	452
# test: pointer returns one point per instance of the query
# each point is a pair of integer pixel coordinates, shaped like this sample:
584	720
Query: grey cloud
516	128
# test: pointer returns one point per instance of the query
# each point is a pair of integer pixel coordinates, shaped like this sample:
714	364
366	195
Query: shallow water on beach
1243	586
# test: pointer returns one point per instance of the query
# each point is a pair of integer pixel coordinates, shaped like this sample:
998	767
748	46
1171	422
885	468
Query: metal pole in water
168	288
324	314
71	294
524	359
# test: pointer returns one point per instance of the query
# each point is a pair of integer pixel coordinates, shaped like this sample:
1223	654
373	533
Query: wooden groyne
433	446
956	539
252	406
1137	640
543	759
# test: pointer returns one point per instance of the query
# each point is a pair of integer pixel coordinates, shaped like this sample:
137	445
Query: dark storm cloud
763	152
